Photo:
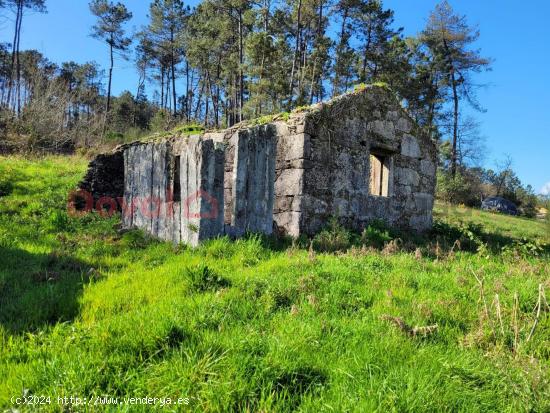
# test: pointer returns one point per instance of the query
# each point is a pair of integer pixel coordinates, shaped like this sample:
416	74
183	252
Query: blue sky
516	36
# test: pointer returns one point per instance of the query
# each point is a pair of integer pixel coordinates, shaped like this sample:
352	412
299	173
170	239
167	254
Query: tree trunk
302	69
455	126
110	78
199	98
13	50
319	35
168	99
296	48
231	99
173	64
19	63
192	93
218	71
340	48
187	102
455	111
367	48
431	110
213	98
312	86
108	107
161	86
174	94
207	95
241	62
258	109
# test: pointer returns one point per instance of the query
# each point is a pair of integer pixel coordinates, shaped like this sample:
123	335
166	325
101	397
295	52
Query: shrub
114	136
6	188
524	248
136	239
468	234
205	279
460	189
59	221
162	121
376	234
334	238
192	128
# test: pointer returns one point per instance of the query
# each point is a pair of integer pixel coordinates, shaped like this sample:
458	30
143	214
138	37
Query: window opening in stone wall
379	174
176	196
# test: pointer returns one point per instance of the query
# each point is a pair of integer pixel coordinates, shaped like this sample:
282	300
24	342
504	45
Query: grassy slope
253	325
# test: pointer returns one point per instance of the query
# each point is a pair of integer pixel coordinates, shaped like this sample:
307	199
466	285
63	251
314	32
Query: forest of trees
241	59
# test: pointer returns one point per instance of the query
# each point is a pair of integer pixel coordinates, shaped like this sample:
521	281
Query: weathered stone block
288	203
254	180
312	204
427	168
290	182
385	129
410	147
288	223
295	147
392	115
421	222
403	125
408	177
424	202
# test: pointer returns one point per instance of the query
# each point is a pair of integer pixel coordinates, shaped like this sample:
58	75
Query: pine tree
211	50
345	55
320	57
111	18
310	54
449	38
374	25
18	7
165	33
421	88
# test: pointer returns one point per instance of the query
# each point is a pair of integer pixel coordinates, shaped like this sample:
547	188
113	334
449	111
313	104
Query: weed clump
5	188
136	239
336	238
376	235
204	279
333	239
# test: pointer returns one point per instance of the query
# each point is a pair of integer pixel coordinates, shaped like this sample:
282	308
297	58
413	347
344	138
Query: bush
133	134
333	238
162	121
468	234
6	188
192	128
136	239
460	189
376	235
205	279
524	248
114	136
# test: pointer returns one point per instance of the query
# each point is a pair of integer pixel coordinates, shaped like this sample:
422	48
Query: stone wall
226	185
105	176
296	174
341	135
293	149
253	177
151	204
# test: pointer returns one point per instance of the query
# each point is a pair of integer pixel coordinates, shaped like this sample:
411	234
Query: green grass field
262	324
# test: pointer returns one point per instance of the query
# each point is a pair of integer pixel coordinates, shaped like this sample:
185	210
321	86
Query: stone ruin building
358	157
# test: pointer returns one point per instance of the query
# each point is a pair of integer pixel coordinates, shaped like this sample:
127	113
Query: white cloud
545	190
